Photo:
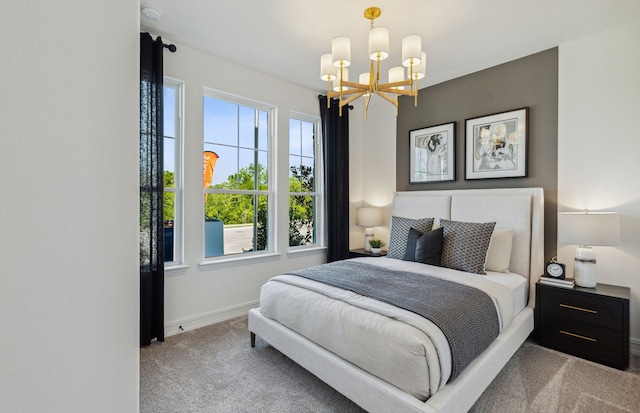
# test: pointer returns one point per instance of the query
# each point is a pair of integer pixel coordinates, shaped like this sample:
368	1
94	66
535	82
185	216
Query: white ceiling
285	38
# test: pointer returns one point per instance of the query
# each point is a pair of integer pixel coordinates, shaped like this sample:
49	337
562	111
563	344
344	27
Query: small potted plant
376	246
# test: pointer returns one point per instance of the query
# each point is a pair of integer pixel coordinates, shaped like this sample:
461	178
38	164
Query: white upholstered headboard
519	208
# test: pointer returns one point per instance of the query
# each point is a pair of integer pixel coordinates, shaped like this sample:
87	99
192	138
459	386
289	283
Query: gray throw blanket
466	315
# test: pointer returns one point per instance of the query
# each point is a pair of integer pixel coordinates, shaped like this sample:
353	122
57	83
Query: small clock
554	269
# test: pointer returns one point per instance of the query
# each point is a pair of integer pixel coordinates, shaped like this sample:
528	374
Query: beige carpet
213	369
538	379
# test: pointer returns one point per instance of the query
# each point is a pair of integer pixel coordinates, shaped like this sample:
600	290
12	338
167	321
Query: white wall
599	147
69	292
373	177
198	296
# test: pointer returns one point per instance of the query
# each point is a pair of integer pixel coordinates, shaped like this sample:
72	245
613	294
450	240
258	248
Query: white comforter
396	345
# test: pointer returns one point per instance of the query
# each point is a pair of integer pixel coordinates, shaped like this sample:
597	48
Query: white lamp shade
411	50
368	217
327	70
589	228
419	71
341	51
378	43
336	83
363	79
396	74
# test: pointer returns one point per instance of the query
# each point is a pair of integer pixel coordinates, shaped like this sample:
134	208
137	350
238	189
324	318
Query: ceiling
285	38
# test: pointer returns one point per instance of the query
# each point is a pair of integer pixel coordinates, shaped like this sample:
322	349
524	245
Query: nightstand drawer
589	309
589	341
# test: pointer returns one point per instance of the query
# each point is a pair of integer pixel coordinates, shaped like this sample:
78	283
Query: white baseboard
634	346
176	327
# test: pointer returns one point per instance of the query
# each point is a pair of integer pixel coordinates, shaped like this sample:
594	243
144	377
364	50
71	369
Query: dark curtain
151	191
335	132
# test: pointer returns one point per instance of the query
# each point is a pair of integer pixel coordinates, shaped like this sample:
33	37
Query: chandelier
334	68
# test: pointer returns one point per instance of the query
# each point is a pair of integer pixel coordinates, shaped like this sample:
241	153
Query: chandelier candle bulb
341	51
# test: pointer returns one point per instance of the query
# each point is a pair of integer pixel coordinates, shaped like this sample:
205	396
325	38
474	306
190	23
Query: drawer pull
578	336
586	310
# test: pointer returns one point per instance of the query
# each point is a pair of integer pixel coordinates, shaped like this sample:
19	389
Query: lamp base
368	235
584	267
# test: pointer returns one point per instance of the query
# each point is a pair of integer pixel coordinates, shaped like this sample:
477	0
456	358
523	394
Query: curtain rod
172	47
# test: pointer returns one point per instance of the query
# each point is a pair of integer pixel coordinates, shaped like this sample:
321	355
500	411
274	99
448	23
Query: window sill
175	270
301	252
239	261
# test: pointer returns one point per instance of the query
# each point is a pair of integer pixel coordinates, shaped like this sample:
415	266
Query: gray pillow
465	245
429	247
400	227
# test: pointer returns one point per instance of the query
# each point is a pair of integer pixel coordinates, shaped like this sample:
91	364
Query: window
172	102
304	188
236	175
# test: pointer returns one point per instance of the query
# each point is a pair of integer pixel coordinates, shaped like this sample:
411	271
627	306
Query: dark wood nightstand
360	252
592	323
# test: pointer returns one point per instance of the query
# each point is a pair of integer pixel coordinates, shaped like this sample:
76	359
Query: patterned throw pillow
400	232
465	245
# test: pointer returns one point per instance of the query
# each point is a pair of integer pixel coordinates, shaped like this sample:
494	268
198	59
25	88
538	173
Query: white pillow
499	252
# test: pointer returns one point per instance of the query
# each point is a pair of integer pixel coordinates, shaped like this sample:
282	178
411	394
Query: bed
386	358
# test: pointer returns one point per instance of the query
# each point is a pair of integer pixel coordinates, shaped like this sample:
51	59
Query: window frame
177	266
318	175
270	253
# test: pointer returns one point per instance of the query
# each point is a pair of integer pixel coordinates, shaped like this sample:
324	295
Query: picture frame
432	154
496	145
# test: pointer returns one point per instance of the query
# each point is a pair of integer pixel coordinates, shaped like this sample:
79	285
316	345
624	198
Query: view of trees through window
303	192
240	209
237	189
171	161
236	181
301	207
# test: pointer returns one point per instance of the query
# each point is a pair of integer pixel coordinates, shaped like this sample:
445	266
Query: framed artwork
432	154
496	145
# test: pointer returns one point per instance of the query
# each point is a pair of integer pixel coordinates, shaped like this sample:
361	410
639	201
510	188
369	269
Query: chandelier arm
352	98
367	99
356	85
395	84
347	92
396	92
388	98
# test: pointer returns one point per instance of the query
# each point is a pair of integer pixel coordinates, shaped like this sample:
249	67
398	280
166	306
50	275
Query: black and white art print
496	145
432	154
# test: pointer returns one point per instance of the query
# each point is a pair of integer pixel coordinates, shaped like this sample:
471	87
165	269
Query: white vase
376	251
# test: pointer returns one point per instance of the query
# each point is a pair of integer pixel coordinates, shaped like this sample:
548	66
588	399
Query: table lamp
587	229
368	217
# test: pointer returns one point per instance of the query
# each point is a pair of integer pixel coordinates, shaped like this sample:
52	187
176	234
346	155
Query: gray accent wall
530	82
